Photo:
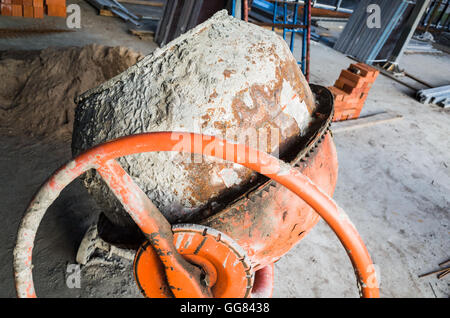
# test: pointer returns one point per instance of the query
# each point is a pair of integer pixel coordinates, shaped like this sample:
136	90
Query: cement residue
194	84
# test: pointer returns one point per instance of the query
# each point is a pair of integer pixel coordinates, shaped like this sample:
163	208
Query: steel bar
337	8
441	275
245	10
444	263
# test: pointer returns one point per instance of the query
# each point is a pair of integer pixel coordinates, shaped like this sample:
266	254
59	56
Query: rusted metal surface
270	166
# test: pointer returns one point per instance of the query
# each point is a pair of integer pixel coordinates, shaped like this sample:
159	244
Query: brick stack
33	8
56	8
351	89
38	9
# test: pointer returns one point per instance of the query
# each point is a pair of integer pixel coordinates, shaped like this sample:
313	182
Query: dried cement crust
223	78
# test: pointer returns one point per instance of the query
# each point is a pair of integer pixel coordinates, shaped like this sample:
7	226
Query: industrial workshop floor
394	182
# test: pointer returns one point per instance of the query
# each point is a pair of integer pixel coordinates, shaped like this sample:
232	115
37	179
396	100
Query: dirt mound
37	88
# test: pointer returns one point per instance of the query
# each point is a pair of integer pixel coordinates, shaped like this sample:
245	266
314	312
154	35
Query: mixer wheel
223	262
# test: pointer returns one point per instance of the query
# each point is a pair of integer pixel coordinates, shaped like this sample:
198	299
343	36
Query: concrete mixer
212	157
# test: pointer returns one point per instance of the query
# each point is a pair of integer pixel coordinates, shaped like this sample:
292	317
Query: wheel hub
223	262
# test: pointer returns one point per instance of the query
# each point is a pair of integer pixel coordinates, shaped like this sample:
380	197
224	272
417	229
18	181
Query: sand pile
37	88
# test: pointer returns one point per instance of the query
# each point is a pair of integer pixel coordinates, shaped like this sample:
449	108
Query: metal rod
308	41
435	272
280	25
438	4
444	263
246	10
418	80
284	20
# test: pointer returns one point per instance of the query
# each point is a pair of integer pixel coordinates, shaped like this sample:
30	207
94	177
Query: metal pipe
308	41
317	5
284	20
338	4
246	10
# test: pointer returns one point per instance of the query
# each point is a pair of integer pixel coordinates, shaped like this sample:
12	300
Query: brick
6	9
56	11
342	80
38	12
337	93
358	80
55	2
16	10
363	72
28	12
16	2
374	72
38	3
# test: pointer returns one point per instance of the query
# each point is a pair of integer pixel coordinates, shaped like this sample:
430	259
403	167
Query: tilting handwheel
185	270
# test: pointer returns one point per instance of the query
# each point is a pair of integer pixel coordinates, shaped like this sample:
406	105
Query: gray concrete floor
394	182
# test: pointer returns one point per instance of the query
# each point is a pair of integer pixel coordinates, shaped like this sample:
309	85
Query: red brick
363	72
38	12
28	11
55	2
56	11
16	10
352	77
6	9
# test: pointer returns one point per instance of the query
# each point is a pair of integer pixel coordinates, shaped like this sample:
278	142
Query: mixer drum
226	78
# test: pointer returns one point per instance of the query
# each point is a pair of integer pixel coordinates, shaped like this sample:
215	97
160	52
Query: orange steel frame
155	226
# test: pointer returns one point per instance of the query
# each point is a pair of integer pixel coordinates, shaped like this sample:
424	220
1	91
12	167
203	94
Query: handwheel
187	276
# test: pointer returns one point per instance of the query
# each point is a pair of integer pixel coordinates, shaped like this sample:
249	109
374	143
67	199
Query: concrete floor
394	182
